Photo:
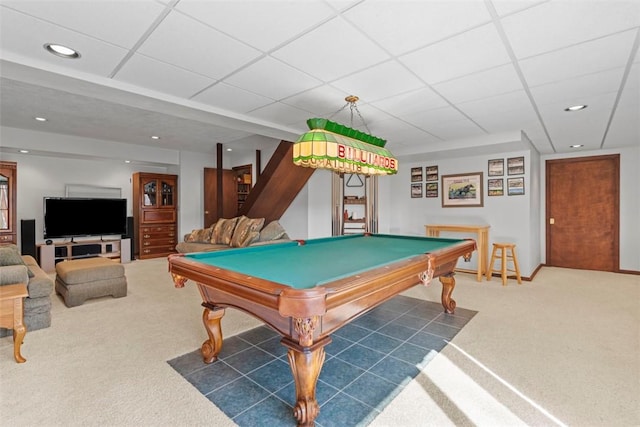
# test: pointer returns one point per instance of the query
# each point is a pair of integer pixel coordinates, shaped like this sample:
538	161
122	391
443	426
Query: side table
12	315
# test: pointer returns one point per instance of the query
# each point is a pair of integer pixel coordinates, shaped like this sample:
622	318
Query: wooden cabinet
155	214
8	185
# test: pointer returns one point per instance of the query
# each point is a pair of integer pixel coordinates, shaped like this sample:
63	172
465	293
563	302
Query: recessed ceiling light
155	137
62	51
40	119
229	149
24	151
576	145
575	108
127	161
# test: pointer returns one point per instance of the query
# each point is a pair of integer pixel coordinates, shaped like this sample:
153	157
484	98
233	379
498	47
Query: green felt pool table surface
323	260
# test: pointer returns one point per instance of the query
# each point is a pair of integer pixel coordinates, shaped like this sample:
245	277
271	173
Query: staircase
277	186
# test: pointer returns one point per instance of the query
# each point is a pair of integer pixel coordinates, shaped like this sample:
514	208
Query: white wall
191	190
508	216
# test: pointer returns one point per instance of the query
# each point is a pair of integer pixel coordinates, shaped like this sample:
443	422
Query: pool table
305	290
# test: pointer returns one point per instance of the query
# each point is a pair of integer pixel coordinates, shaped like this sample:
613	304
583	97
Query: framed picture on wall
462	190
515	166
416	174
431	173
515	186
431	189
495	187
416	191
496	167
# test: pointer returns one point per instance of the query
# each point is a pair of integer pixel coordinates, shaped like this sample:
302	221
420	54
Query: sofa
16	268
237	232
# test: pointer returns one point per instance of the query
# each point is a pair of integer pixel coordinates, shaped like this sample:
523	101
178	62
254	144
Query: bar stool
505	252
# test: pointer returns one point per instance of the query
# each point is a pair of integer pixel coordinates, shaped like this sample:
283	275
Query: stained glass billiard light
330	145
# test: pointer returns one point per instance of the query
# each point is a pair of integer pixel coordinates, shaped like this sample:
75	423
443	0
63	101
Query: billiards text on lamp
330	145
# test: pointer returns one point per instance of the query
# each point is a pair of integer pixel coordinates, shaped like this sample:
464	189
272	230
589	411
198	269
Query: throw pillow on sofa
10	255
202	235
223	231
272	231
247	231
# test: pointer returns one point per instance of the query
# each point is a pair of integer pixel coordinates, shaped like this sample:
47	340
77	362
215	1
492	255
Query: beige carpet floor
563	349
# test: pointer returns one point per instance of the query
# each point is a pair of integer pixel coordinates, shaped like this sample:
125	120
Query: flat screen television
74	217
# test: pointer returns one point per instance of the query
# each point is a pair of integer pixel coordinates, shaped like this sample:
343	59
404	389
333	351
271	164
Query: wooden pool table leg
448	283
306	363
211	318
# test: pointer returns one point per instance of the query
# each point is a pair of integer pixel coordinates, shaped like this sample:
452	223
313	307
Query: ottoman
80	279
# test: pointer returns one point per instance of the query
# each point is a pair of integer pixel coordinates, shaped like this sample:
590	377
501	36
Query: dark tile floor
369	362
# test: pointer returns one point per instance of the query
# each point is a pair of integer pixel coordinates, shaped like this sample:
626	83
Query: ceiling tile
322	101
471	51
151	74
403	134
262	24
282	113
507	112
188	44
431	118
512	120
573	91
411	103
378	82
581	127
586	58
332	50
273	79
484	84
96	18
557	24
400	25
625	125
25	36
231	98
497	105
506	7
456	130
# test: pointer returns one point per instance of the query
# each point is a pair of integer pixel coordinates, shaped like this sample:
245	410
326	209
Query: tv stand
50	255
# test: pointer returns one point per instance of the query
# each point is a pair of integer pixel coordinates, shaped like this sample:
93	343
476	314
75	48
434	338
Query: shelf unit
54	253
354	204
244	182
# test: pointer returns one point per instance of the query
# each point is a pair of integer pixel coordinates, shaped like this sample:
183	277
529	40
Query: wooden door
228	198
583	196
8	193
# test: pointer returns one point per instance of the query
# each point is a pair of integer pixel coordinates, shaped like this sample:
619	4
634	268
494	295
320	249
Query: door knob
552	221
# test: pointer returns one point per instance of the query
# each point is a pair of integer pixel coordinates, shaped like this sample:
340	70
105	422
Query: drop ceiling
430	75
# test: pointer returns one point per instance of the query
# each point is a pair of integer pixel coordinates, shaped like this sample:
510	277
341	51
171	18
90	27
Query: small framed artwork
515	165
462	190
496	167
431	189
515	186
431	173
416	174
495	187
416	191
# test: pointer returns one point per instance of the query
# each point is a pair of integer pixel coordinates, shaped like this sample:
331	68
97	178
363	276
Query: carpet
368	363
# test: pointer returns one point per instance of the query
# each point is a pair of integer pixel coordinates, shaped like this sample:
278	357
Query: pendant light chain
351	102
